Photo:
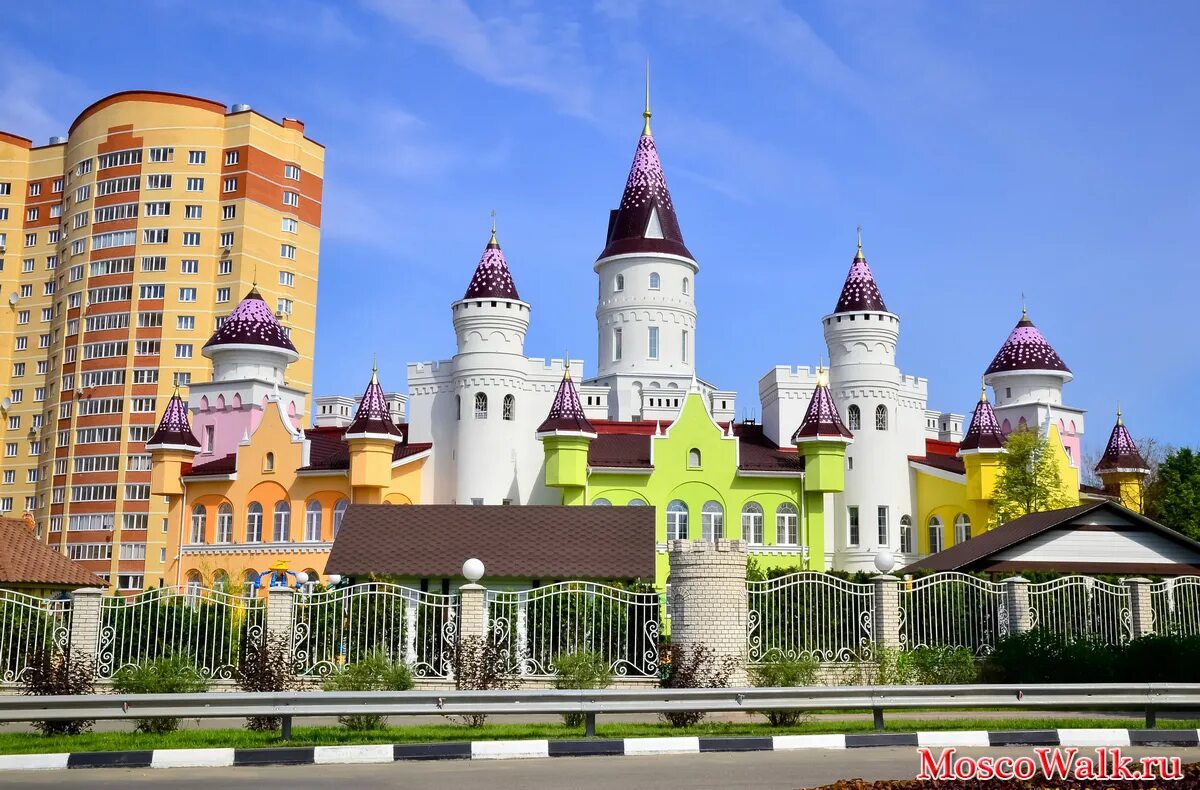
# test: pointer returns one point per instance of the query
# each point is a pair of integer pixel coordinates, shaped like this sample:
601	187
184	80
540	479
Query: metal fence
29	624
535	627
1176	606
343	626
208	626
1080	606
953	610
809	614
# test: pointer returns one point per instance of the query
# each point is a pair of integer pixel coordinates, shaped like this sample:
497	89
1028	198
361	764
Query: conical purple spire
860	292
1026	349
822	420
373	416
174	430
984	431
1121	453
251	324
566	413
646	196
492	279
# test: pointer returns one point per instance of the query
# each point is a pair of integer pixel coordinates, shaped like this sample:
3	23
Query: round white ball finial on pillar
473	570
334	579
301	577
884	561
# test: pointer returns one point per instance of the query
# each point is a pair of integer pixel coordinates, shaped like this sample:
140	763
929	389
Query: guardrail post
472	617
1016	603
886	620
1141	611
85	623
709	604
281	614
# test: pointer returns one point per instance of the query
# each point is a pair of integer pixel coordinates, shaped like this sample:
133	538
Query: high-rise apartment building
123	246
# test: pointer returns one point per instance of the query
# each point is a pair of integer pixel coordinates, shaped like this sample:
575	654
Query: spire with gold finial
566	412
1121	454
493	243
1120	419
373	418
860	292
646	113
821	420
492	278
984	434
858	256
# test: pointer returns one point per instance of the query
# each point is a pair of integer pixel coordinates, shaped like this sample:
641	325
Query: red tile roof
947	463
25	560
626	445
327	451
225	465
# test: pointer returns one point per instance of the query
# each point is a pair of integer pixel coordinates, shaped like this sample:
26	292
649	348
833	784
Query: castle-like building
847	460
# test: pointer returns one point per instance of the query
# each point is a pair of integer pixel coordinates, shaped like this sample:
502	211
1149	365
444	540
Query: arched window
752	523
935	535
194	583
199	518
458	407
1006	427
225	523
510	408
655	281
962	528
480	406
312	521
881	417
694	458
787	524
637	503
619	285
854	418
283	522
677	521
220	580
712	521
686	286
907	543
254	523
269	462
601	501
339	511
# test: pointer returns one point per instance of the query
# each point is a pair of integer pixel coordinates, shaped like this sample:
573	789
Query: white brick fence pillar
85	623
472	614
709	605
281	614
1141	611
1016	603
886	621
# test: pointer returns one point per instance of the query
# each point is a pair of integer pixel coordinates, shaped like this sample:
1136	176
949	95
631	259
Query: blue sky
987	148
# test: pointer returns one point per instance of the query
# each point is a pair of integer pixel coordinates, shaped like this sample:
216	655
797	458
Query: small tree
265	665
55	673
586	669
1029	480
694	669
1173	496
174	674
480	665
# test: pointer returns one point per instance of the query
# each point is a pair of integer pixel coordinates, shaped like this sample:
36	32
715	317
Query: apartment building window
185	323
158	181
227	239
51	262
135	521
229	185
288	279
22	343
852	519
39	394
14	422
146	348
43	341
75	273
189	266
225	267
109	213
312	521
83	193
159	208
191	239
155	236
222	295
79	247
291	198
182	379
35	189
119	159
23	317
652	342
287	251
231	158
57	188
152	291
154	263
187	294
31	475
10	477
162	154
60	466
138	463
27	265
10	450
32	214
145	375
197	157
112	186
56	210
284	306
149	319
195	184
140	433
882	521
143	405
5	187
183	350
193	212
291	172
229	211
288	225
92	522
30	239
6	504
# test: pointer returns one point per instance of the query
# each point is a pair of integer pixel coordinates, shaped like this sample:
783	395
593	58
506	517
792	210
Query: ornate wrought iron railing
1081	607
208	626
1176	606
810	614
535	627
29	624
952	610
342	626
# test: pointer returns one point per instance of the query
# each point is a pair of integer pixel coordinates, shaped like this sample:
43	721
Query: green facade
674	476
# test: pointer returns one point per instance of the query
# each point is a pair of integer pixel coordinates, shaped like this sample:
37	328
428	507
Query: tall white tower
646	314
490	369
879	407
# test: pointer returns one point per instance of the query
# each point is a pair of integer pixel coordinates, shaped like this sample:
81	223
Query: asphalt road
796	769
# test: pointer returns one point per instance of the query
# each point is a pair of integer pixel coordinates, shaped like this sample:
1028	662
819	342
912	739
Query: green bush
55	673
1040	657
695	669
480	665
173	674
585	669
782	672
1169	658
937	666
374	672
265	664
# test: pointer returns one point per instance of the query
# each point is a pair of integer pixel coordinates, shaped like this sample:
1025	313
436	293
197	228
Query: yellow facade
166	209
269	472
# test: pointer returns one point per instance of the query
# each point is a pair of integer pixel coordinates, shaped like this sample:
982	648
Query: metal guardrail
1147	697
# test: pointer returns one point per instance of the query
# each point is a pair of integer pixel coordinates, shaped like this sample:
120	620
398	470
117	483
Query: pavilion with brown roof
28	565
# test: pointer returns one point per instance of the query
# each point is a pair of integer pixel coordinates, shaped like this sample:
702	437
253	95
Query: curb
592	747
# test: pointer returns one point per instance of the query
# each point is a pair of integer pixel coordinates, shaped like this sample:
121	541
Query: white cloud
524	50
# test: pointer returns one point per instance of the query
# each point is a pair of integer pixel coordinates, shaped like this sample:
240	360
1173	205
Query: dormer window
655	281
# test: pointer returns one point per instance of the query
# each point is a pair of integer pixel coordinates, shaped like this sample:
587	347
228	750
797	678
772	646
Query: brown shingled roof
25	560
627	446
531	541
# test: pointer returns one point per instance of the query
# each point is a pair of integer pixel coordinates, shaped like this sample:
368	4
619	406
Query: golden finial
822	379
859	255
492	242
982	390
567	365
375	369
254	276
646	112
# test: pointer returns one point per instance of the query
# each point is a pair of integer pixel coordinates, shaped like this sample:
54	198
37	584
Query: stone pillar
472	615
709	605
85	623
1016	603
1141	611
886	620
281	603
